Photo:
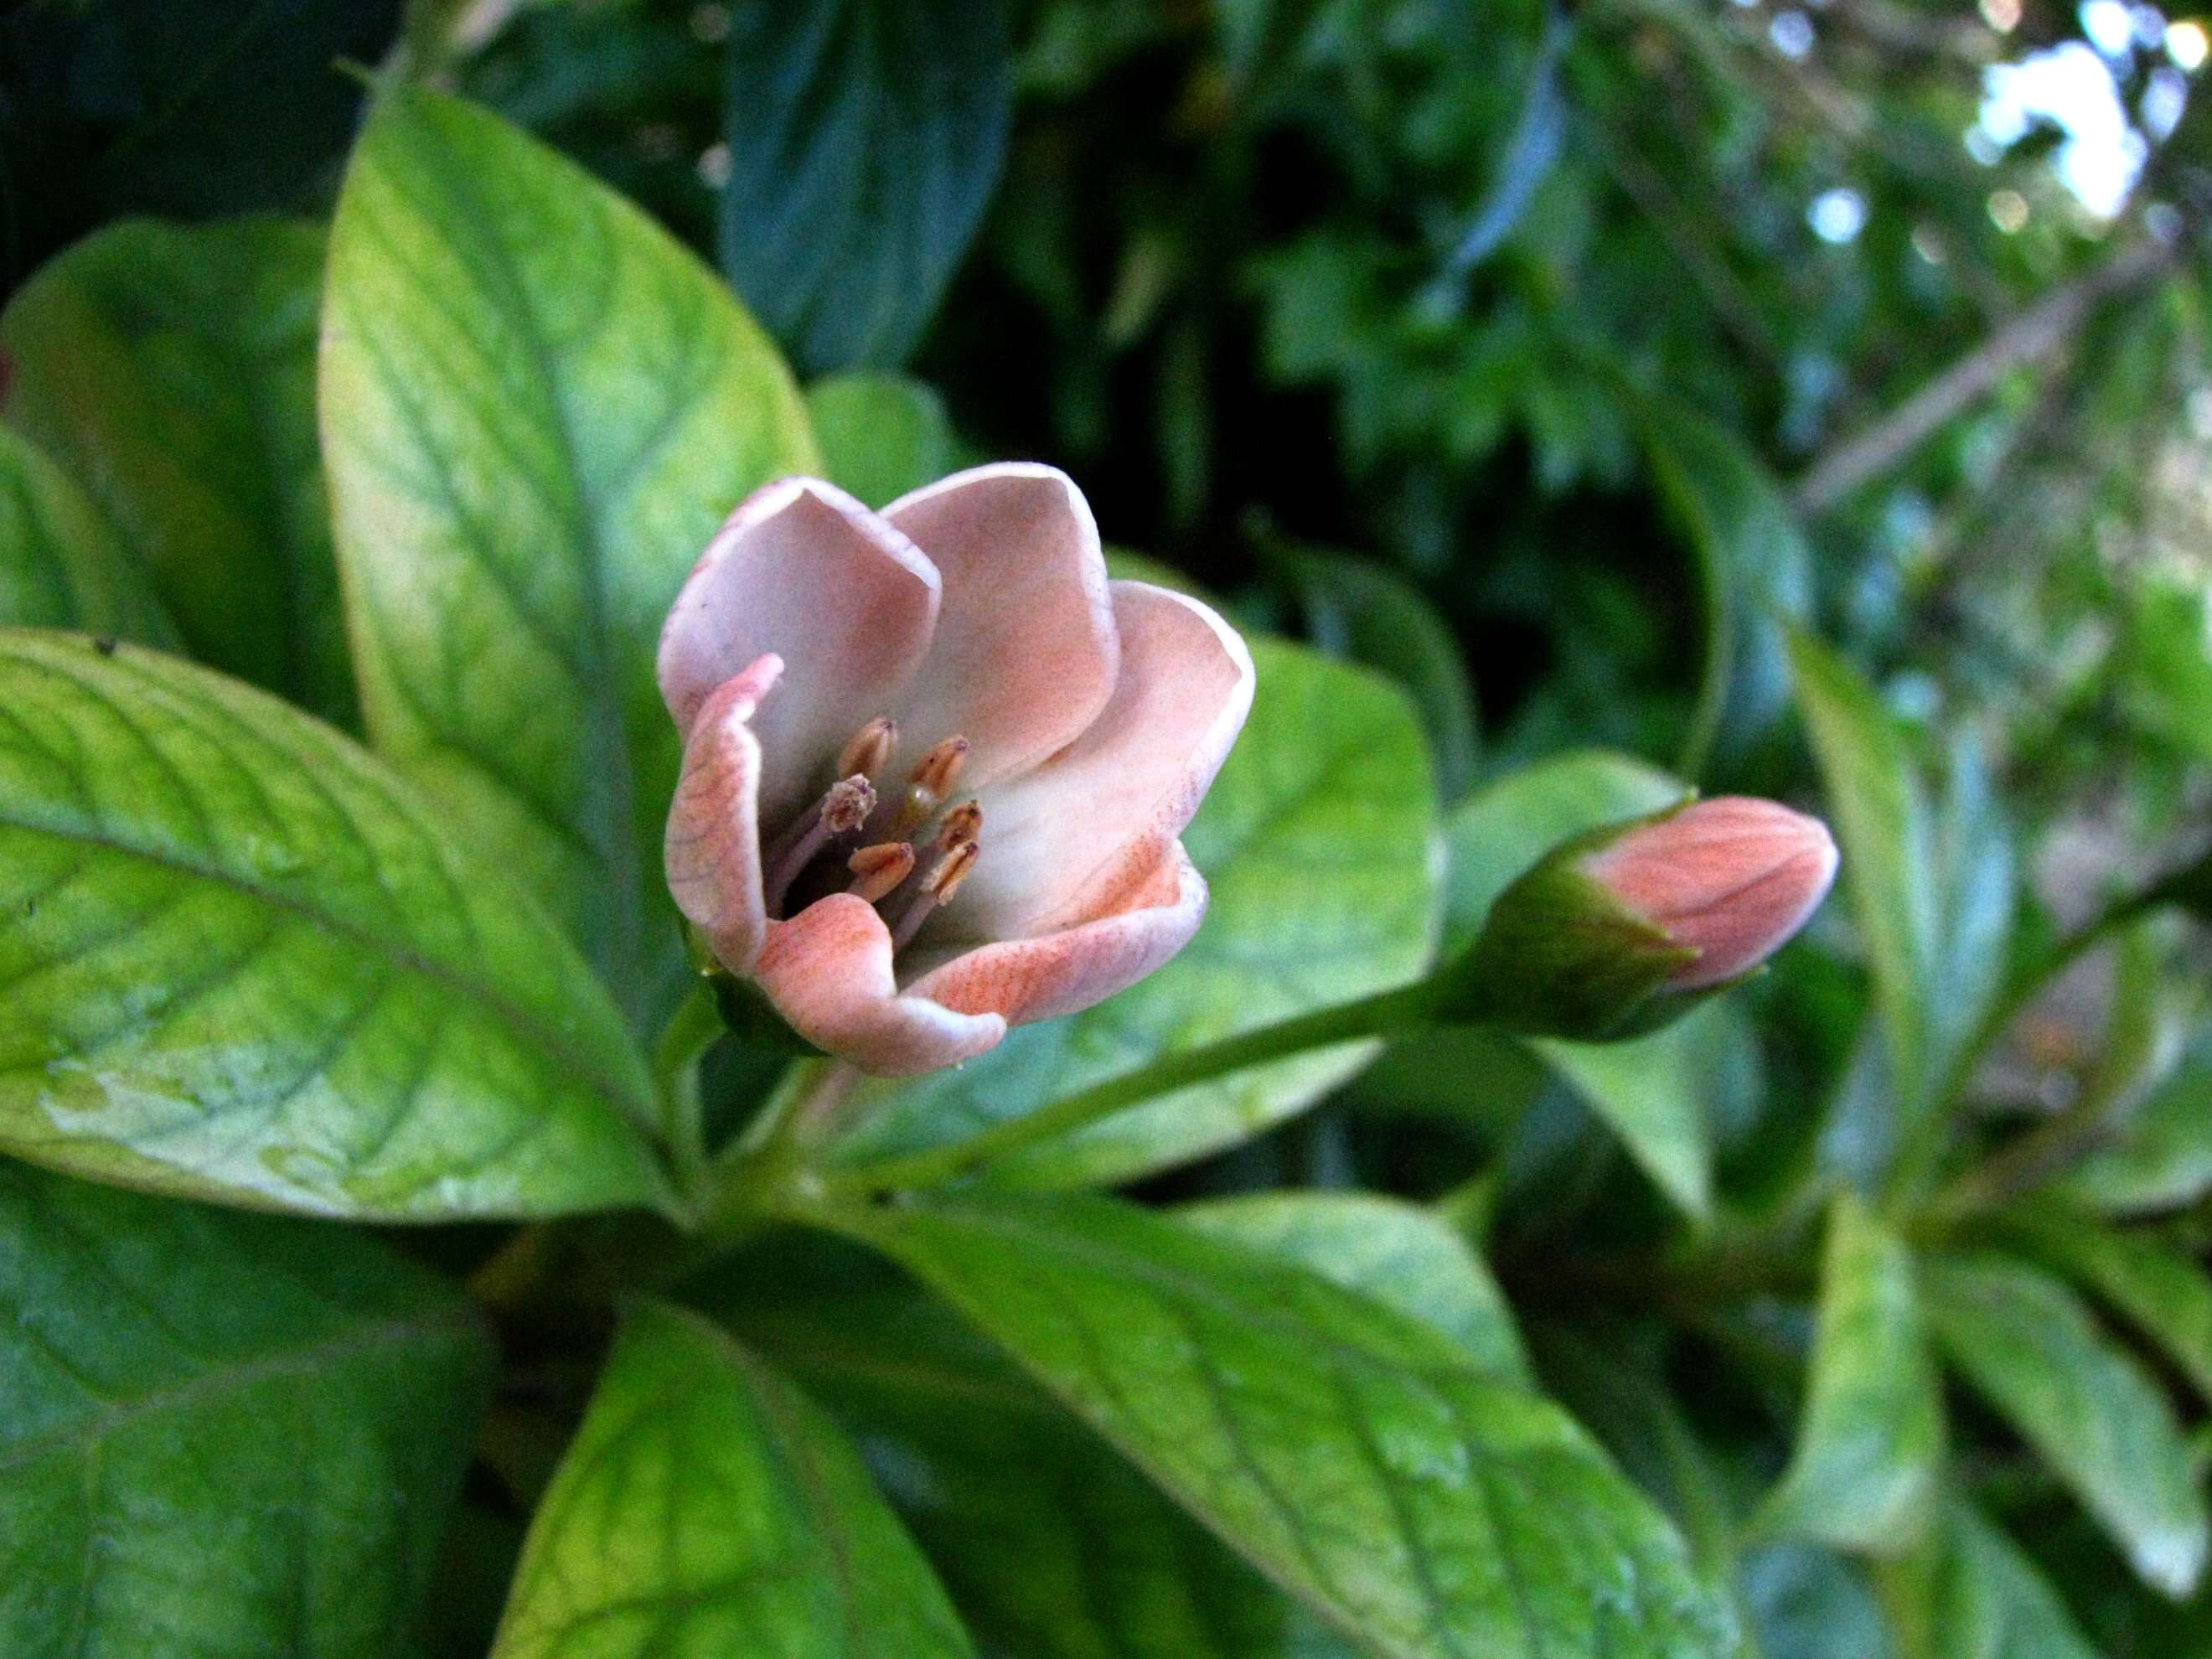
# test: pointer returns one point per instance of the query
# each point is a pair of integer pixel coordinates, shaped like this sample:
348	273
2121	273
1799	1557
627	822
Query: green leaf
881	435
2157	1289
867	137
2164	1160
707	1507
220	1434
171	371
1882	822
1317	841
1357	1457
241	962
1364	612
1052	1544
1502	828
1648	1091
1975	1595
1755	568
2033	1352
60	565
1398	1254
536	408
1809	1603
1870	1444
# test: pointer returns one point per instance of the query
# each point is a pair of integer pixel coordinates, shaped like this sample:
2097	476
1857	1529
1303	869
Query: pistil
843	808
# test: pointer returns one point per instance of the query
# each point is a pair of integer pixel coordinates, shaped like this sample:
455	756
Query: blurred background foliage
1555	359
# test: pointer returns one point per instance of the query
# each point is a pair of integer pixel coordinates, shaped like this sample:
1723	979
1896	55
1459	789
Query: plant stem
1387	1014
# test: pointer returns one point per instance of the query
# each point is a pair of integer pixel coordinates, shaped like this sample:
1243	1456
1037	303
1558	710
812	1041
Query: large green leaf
881	435
707	1507
222	1435
2158	1289
536	409
866	136
240	961
1870	1445
1396	1253
170	370
1360	1458
1973	1593
1052	1545
2028	1346
1755	567
1318	841
1650	1091
60	564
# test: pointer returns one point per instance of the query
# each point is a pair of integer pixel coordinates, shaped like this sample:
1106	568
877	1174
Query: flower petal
1071	840
828	970
1065	972
1024	654
712	849
804	571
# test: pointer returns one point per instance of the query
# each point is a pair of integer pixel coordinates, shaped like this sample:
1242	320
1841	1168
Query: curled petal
1065	972
1071	839
1024	654
828	970
802	571
712	850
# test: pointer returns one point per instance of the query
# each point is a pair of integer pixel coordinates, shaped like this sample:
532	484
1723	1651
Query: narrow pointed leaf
2156	1288
536	408
61	565
1974	1594
170	370
707	1506
242	961
1356	1457
1870	1443
220	1434
2033	1352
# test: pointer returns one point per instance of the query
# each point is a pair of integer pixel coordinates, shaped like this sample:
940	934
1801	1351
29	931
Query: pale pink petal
804	571
1065	972
828	969
1071	840
1024	657
712	850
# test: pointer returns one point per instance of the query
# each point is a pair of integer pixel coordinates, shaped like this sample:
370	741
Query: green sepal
1560	956
744	1008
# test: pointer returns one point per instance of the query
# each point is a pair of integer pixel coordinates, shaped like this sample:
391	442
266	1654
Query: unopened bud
1617	932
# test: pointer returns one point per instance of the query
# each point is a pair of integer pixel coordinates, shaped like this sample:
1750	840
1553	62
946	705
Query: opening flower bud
1617	932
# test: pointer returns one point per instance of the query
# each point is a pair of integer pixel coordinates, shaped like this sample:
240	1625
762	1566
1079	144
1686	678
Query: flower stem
1387	1014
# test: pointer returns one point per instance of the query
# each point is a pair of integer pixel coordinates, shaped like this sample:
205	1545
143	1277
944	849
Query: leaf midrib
405	957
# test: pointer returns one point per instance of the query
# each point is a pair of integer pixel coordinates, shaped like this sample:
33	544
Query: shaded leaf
242	961
707	1506
220	1434
171	371
866	135
2164	1160
1870	1443
536	408
2157	1289
1973	1593
60	565
881	435
1317	841
1356	1457
1399	1253
2033	1351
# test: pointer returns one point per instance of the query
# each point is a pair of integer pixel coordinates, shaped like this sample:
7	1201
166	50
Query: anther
878	870
938	887
843	808
930	782
963	824
866	751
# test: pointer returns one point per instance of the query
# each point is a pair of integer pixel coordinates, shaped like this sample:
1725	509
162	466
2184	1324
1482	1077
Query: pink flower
935	763
1732	878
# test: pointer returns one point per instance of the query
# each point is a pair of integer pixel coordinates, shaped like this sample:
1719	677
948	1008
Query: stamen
963	823
878	870
843	808
866	751
938	887
930	782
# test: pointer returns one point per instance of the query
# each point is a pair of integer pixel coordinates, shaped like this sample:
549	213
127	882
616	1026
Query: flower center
904	873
